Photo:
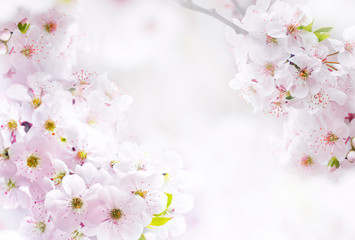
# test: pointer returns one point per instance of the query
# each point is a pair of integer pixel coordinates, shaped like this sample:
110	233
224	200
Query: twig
189	4
237	9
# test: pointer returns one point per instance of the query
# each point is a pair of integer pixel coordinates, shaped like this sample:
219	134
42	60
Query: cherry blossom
67	157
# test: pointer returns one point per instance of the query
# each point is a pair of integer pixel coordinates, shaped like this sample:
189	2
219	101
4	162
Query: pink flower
70	206
120	216
147	186
32	158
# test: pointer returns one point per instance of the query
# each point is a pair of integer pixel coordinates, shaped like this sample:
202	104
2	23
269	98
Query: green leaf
334	162
307	28
142	237
324	30
288	96
23	27
159	221
321	36
170	199
323	33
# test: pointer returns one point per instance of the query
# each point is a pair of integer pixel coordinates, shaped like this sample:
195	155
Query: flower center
12	124
32	161
77	203
58	177
28	51
116	214
5	154
113	163
140	166
270	68
271	40
41	226
291	29
49	125
76	235
331	138
307	161
82	154
10	184
50	26
166	177
349	47
141	193
36	102
304	74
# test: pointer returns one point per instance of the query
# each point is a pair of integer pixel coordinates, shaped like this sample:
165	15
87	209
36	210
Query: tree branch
189	4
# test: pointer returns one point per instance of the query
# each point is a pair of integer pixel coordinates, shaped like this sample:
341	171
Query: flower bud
333	164
5	35
351	156
23	25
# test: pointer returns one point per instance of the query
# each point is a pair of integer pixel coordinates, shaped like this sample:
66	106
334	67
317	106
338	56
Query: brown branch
189	4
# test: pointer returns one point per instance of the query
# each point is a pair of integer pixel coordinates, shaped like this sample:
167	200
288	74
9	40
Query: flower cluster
288	69
65	152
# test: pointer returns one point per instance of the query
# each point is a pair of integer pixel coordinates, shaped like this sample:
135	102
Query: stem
189	4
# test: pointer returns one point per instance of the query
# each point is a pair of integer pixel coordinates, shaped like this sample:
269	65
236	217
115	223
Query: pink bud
3	48
351	156
24	21
5	35
332	169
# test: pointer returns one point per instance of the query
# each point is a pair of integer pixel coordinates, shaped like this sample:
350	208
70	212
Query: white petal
73	185
336	95
276	30
18	92
55	200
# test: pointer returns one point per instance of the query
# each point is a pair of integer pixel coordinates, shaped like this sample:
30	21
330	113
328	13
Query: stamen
331	138
332	54
270	68
10	184
82	154
50	125
12	124
41	226
304	74
32	161
307	161
291	29
332	67
58	177
141	193
77	203
28	51
50	26
36	102
116	213
332	62
271	40
76	235
5	154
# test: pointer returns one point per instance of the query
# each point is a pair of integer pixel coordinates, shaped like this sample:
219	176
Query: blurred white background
177	65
